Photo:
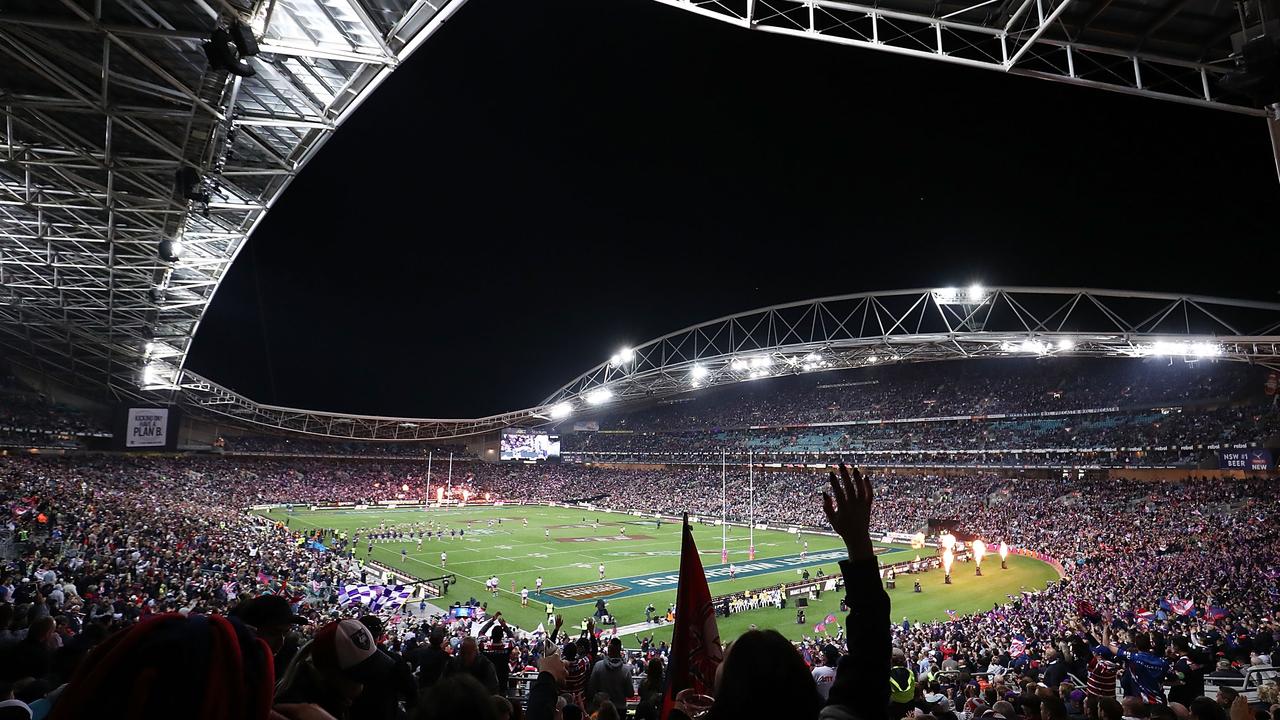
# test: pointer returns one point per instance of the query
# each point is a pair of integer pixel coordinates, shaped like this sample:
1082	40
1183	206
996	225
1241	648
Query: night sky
543	183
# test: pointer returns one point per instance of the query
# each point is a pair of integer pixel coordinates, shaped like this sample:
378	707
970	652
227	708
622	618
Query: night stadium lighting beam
561	410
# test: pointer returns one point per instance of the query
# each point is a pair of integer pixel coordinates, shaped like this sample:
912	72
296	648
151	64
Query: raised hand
848	508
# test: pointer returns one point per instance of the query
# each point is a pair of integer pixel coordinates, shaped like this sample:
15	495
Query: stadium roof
143	140
121	132
834	333
1176	50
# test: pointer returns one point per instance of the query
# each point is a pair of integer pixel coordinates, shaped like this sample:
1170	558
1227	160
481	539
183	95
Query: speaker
223	53
245	42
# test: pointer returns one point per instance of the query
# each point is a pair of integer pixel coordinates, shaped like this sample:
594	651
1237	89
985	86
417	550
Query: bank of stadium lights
599	396
697	374
561	410
1066	344
972	295
156	376
1168	348
625	356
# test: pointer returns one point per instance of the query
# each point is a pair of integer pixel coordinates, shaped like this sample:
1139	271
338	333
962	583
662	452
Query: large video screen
520	444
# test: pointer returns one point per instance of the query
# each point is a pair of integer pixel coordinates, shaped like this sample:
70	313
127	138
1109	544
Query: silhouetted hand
1240	709
848	508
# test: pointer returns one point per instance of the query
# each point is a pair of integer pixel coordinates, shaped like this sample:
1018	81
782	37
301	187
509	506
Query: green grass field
562	547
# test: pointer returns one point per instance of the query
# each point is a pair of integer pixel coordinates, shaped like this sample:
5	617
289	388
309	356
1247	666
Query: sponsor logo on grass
651	553
587	592
603	538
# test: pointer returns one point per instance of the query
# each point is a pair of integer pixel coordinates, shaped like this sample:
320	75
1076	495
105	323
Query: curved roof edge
834	333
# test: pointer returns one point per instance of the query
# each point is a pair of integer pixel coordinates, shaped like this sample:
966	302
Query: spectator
330	671
612	676
470	662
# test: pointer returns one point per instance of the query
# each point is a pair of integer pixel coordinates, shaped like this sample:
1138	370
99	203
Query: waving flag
1017	647
376	597
830	619
1088	611
1182	607
695	640
1217	613
951	614
1144	617
819	628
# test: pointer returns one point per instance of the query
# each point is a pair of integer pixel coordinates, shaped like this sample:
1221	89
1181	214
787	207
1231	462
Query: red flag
695	640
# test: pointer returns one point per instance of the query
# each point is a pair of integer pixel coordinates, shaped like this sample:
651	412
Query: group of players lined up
418	532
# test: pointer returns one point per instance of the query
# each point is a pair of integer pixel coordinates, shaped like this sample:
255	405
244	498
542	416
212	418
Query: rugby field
566	546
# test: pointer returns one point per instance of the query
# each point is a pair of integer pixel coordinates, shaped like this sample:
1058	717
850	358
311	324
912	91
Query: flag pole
751	506
429	452
450	471
724	508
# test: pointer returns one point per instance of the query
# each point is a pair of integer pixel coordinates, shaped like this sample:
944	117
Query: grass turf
571	555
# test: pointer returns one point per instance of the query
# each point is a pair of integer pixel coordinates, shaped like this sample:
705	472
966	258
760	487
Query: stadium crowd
108	543
892	392
1181	433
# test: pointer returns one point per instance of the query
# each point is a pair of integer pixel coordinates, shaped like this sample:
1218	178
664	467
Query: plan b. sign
146	427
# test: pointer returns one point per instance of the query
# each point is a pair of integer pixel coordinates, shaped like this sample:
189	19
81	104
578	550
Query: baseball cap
347	647
266	610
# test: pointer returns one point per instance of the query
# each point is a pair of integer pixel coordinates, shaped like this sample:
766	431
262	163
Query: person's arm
862	678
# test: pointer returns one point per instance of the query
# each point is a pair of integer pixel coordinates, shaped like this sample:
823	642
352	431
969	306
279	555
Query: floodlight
153	376
1165	347
561	409
1033	346
615	360
813	358
873	359
698	372
1205	349
976	292
738	365
599	396
627	354
948	294
761	362
1066	343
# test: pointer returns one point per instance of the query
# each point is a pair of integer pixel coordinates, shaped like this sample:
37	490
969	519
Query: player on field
733	570
601	571
524	596
444	557
538	583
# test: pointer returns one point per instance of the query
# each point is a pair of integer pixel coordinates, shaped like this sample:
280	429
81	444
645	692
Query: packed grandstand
1110	469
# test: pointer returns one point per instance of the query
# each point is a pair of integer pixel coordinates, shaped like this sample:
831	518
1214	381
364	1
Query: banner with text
1251	459
147	427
